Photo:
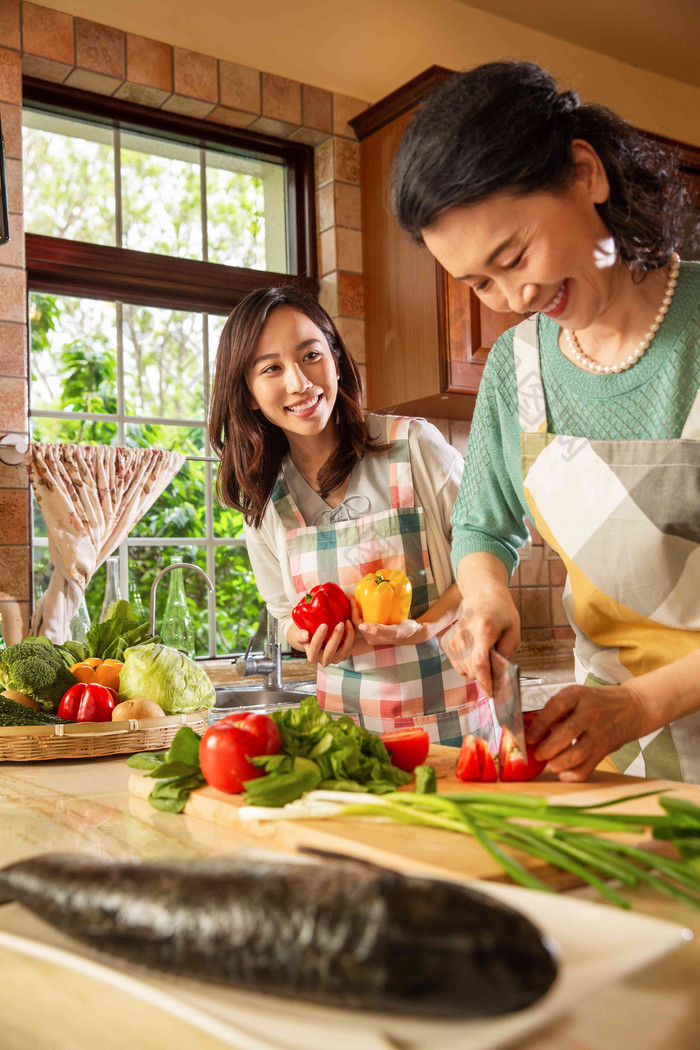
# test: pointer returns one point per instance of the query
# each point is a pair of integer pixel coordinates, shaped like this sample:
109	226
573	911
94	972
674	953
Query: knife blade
506	701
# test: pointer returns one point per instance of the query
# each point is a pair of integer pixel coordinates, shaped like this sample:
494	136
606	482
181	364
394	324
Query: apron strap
400	476
285	506
532	410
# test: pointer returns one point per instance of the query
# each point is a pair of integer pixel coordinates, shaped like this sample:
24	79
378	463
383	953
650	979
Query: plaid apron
625	518
382	687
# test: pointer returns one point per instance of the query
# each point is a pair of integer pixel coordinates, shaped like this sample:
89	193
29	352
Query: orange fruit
92	661
109	676
83	672
114	663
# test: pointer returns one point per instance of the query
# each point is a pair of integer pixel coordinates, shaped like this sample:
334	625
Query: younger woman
328	494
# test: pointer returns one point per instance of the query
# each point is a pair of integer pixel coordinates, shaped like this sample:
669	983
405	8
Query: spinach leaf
278	790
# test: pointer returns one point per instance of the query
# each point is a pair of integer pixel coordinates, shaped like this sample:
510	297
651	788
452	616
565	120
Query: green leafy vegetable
37	669
120	630
177	771
333	751
281	788
167	677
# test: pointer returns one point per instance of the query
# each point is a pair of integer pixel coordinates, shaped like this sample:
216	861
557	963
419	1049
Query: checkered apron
625	518
382	687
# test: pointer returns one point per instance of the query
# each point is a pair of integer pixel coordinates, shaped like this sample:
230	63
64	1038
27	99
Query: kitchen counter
84	806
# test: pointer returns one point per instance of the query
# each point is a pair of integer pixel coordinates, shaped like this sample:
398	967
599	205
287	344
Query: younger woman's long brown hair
250	448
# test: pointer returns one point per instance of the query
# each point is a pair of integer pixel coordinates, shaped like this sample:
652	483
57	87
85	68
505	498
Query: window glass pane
79	431
68	178
43	571
181	509
73	353
188	440
238	604
144	565
227	522
161	197
246	212
163	358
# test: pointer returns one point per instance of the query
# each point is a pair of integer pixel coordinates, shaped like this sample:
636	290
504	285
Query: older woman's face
546	252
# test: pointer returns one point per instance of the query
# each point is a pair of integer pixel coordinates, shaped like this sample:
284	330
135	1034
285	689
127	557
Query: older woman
588	415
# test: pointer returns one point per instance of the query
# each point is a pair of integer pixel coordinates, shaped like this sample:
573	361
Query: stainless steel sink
258	695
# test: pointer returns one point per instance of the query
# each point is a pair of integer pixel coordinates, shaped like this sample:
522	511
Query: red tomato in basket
225	748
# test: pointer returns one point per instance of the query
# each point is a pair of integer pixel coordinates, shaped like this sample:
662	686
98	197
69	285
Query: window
143	231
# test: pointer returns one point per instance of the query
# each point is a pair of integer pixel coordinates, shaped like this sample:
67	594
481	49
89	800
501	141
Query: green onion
550	833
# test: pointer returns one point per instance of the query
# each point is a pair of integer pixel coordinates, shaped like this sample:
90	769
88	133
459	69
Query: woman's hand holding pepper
321	649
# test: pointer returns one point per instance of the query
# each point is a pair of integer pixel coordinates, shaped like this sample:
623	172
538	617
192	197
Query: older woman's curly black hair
506	126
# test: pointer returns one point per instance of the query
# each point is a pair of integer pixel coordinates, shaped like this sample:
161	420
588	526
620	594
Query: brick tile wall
55	46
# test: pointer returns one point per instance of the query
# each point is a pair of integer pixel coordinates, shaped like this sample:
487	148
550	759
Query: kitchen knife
507	708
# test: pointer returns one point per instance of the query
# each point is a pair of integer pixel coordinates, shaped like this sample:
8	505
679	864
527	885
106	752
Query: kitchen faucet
159	577
270	663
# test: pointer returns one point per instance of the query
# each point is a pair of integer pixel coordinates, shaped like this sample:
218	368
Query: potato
21	698
139	707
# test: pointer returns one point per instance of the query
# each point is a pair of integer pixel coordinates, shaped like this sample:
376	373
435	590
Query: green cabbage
167	677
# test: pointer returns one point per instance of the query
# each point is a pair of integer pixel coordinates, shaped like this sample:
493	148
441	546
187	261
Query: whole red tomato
513	765
408	747
87	703
325	603
225	748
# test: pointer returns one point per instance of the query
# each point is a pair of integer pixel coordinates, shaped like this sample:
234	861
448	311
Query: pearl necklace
593	366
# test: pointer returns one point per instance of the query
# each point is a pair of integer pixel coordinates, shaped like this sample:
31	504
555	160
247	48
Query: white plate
599	944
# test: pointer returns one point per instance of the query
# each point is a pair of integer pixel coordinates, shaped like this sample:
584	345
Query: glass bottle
80	624
136	600
112	586
176	628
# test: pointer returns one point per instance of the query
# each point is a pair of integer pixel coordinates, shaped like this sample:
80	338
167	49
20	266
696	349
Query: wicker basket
87	739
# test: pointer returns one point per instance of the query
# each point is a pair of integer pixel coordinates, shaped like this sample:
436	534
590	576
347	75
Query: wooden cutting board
433	851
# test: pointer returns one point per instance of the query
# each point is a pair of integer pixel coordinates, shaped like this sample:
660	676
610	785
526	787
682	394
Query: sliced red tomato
475	761
513	765
408	747
225	748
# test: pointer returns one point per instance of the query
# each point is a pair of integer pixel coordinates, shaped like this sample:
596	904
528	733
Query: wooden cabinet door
470	332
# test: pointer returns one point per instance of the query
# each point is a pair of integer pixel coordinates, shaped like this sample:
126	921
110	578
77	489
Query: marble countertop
83	805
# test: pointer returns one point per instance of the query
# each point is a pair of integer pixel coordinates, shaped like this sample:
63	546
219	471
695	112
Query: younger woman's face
548	252
293	376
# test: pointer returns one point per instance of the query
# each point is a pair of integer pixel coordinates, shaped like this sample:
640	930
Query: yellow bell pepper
384	597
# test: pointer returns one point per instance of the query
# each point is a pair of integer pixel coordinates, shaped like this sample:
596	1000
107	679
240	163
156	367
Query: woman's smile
305	408
558	303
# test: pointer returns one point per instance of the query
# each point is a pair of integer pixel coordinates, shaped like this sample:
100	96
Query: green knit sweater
650	400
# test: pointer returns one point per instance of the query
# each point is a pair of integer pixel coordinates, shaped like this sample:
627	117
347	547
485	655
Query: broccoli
36	670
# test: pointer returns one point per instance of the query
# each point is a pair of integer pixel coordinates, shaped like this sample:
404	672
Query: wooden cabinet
427	336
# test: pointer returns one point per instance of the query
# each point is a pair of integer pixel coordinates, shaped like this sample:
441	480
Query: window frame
99	271
61	266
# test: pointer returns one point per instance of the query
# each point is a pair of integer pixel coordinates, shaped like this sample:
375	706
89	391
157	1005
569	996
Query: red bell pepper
475	761
325	603
513	765
87	703
225	748
408	748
